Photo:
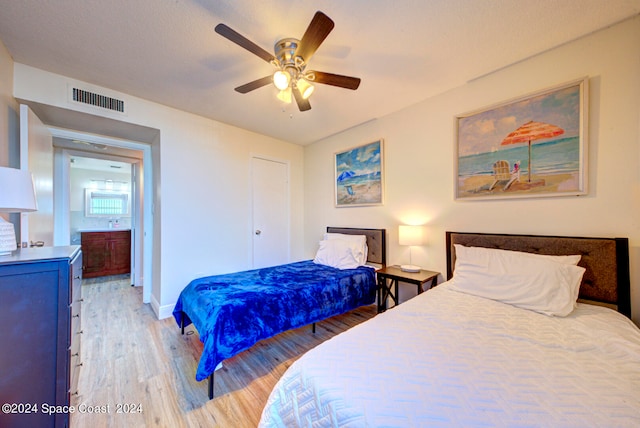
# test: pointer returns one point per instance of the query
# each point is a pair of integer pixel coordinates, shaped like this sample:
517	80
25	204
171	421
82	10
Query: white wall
201	173
419	158
81	179
8	105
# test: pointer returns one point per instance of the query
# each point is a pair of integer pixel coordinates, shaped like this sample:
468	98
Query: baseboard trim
161	312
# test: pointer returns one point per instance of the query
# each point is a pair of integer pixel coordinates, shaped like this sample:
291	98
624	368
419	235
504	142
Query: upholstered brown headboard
606	260
376	241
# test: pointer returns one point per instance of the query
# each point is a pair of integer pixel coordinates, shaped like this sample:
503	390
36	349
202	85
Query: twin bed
233	312
502	343
522	334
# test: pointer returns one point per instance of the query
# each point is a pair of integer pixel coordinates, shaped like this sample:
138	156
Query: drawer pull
76	354
76	316
80	332
75	393
77	277
79	365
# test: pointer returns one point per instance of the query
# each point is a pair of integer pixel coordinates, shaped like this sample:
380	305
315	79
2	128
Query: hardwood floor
136	363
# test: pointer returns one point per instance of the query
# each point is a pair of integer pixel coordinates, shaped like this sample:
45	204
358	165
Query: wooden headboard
606	260
376	241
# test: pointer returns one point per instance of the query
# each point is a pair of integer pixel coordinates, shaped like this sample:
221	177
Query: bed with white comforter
450	358
511	367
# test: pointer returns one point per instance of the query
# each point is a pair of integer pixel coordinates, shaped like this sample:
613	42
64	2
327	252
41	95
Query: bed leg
182	323
210	386
313	328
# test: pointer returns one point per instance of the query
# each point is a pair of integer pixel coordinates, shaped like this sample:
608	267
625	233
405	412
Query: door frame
142	243
35	138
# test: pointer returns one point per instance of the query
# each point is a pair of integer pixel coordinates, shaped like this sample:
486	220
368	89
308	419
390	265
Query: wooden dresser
40	307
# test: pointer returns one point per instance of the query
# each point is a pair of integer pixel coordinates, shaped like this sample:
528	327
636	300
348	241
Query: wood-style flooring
135	363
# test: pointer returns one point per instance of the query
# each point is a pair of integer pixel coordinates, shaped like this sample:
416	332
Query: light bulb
281	79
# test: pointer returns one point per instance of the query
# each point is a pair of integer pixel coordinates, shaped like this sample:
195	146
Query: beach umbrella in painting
345	175
532	131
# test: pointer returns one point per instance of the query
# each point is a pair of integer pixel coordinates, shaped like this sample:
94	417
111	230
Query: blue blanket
232	312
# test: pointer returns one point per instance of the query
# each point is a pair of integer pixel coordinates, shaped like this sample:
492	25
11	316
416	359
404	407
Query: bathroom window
103	203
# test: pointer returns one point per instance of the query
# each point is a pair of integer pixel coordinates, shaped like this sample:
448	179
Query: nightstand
390	276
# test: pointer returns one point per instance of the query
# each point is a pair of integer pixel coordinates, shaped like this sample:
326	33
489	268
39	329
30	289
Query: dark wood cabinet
40	304
106	253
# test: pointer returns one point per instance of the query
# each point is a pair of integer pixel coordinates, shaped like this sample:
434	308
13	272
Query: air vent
97	100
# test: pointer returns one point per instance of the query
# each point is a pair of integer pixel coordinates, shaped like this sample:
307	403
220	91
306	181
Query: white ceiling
94	164
404	51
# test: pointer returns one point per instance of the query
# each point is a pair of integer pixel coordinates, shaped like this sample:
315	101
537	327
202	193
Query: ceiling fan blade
242	41
248	87
318	30
346	82
303	104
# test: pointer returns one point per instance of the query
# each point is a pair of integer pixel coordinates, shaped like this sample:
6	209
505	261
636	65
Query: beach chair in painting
350	190
502	173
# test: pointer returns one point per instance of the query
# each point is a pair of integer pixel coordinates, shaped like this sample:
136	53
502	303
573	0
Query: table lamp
411	236
17	195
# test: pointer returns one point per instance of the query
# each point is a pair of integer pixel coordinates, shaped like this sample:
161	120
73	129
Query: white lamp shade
410	235
285	95
17	193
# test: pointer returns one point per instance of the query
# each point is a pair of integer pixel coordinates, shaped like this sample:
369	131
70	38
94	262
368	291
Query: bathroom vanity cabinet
106	253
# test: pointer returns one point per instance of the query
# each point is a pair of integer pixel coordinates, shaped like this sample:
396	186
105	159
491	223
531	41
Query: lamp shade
17	193
285	95
306	88
410	235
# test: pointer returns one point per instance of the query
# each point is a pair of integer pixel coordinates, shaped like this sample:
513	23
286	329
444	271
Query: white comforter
446	358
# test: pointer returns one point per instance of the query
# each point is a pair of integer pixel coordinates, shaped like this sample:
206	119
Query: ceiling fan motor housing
285	50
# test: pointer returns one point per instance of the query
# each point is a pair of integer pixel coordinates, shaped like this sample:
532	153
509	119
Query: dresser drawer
75	363
76	327
75	355
75	294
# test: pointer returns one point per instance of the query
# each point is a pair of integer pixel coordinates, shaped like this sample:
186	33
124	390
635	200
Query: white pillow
357	239
339	254
544	284
569	259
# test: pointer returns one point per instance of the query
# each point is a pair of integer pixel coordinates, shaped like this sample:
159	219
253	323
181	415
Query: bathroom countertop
102	229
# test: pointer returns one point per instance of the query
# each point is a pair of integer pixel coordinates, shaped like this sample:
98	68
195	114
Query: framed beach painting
359	176
534	146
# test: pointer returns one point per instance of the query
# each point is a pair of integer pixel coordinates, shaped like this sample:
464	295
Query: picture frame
359	175
532	146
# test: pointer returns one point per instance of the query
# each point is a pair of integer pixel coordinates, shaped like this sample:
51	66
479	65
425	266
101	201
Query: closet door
270	194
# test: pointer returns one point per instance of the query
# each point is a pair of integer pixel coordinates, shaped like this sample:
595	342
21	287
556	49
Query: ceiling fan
290	60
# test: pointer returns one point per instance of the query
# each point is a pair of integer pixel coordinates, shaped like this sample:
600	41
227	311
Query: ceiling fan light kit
305	88
285	95
290	60
281	79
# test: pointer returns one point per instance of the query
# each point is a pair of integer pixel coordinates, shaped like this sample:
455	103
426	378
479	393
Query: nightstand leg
396	298
383	293
434	282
